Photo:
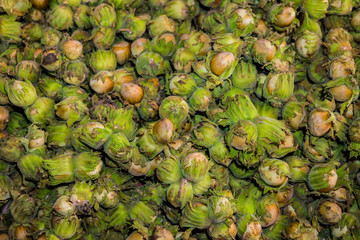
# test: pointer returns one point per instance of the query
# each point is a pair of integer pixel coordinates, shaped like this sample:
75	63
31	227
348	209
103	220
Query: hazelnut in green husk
338	43
248	227
65	227
3	95
221	154
41	111
340	194
75	141
64	206
74	91
355	20
148	109
23	208
221	207
75	72
50	87
118	217
58	135
206	133
11	149
317	149
275	137
122	120
180	193
133	26
200	99
118	148
102	82
103	16
139	46
30	167
316	9
198	42
281	16
247	199
94	134
200	69
274	172
244	75
16	125
28	71
228	42
103	38
87	165
221	64
241	22
60	168
225	230
10	29
268	210
194	166
284	196
322	177
354	131
195	215
82	197
61	17
32	32
147	143
294	113
278	88
17	8
20	93
343	88
121	76
140	164
343	8
175	109
161	24
151	87
265	109
308	44
242	136
263	51
142	212
110	199
102	60
239	106
182	60
176	9
164	44
72	49
317	70
202	187
169	170
299	168
51	60
182	85
51	37
341	67
150	64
